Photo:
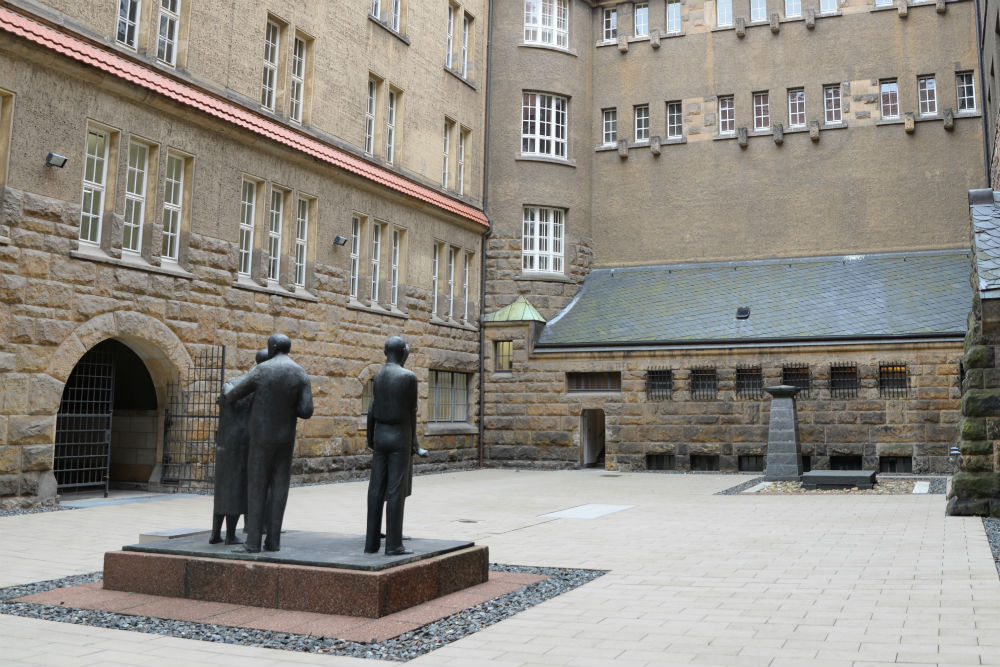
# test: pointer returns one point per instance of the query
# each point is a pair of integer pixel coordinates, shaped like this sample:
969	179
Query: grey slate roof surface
984	206
806	298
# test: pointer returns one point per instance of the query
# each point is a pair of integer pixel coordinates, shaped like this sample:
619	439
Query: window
395	16
610	24
546	22
248	214
889	99
660	462
445	159
366	397
450	41
376	257
390	126
465	286
504	355
460	167
276	217
761	112
659	384
675	121
166	41
892	380
448	396
895	464
831	104
758	10
750	463
452	252
377	8
394	268
95	178
827	6
642	123
749	382
727	115
542	238
543	125
598	381
135	196
793	8
883	3
796	375
673	17
128	23
965	88
301	241
796	108
723	13
927	96
843	380
704	384
641	16
370	117
355	256
466	22
610	125
298	79
435	275
173	207
272	39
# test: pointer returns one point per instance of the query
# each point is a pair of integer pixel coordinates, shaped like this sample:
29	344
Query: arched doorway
107	423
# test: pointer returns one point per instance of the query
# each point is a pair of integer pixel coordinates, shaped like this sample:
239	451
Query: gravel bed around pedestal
33	510
992	527
740	488
883	486
400	649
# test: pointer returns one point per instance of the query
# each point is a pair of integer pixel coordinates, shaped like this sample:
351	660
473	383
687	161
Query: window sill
675	141
244	282
95	254
723	28
450	428
730	136
609	42
454	324
968	114
541	158
606	147
890	121
638	38
542	277
833	126
398	35
603	393
826	15
461	78
549	47
884	8
375	309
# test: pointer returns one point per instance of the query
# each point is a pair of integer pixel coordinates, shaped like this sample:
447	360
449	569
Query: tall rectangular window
248	205
445	157
450	41
758	10
301	241
448	396
452	252
95	179
394	268
727	115
128	23
889	97
173	207
298	79
376	9
673	18
610	24
503	355
272	38
927	96
546	22
796	107
166	40
543	125
965	87
641	19
542	239
465	45
843	380
827	6
135	196
394	18
642	123
460	166
276	216
761	112
370	117
749	382
355	256
831	104
675	121
793	8
610	127
466	274
435	268
376	259
390	127
892	380
704	384
723	13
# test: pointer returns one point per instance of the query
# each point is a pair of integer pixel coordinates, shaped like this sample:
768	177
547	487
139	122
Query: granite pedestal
316	572
838	479
784	452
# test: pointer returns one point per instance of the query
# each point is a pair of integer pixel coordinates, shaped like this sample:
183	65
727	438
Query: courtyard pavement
694	578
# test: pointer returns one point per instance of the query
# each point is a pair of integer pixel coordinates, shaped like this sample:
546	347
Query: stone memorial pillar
784	452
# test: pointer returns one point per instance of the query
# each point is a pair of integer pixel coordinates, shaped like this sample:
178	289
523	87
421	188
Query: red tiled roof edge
144	77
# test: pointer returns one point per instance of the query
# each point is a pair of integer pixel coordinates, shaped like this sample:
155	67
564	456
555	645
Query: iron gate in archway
83	423
192	420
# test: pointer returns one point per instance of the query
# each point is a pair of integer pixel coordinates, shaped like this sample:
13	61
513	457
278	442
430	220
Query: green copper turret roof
519	311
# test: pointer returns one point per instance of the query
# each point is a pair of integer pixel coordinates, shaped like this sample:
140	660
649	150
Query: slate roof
519	311
883	295
984	206
189	96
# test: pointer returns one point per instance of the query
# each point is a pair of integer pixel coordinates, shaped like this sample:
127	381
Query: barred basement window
895	464
659	384
796	375
846	462
600	381
659	461
751	463
704	384
749	382
892	380
843	380
705	462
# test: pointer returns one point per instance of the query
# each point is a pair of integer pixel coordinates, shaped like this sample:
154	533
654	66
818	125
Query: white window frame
301	241
452	252
376	259
435	268
761	111
727	115
173	207
641	123
827	6
460	167
883	3
965	91
832	105
276	220
640	19
465	287
168	27
136	177
927	95
546	22
465	46
95	181
127	29
675	120
543	125
793	9
269	84
352	288
394	269
758	10
376	9
390	126
609	126
450	42
673	18
797	107
395	15
248	215
889	98
370	108
610	23
542	233
445	154
297	97
723	13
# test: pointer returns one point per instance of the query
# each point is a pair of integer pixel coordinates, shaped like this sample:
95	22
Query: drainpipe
982	95
489	231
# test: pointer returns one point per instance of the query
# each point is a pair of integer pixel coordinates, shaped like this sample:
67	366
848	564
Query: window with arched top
366	398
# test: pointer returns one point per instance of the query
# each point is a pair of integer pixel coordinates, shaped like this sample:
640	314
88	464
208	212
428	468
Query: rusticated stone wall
532	420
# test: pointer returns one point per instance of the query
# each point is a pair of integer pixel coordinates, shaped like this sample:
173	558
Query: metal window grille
895	464
705	462
892	380
505	355
704	384
659	384
751	463
749	382
449	396
796	375
192	421
83	423
366	397
660	462
599	381
843	380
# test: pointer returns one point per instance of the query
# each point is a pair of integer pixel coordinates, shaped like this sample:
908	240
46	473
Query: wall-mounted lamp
339	240
55	160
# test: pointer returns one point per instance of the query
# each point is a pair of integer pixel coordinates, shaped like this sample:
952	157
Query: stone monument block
784	450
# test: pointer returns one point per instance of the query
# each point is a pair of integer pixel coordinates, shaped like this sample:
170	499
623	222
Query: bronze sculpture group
256	437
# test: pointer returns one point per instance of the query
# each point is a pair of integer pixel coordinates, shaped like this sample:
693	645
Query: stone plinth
315	572
838	479
784	453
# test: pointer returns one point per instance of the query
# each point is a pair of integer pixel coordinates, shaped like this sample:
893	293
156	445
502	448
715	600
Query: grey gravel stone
992	527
